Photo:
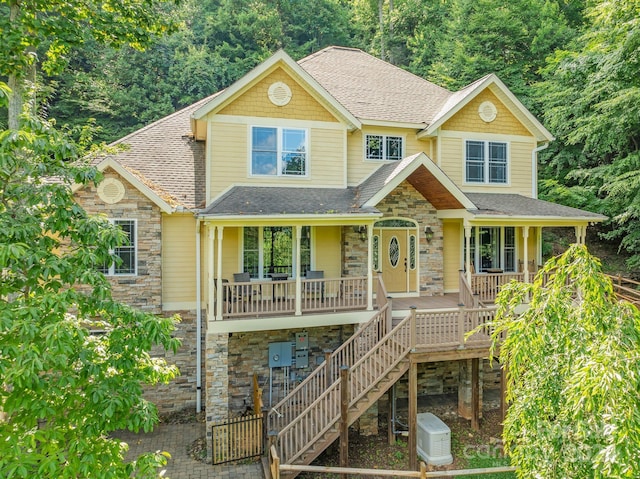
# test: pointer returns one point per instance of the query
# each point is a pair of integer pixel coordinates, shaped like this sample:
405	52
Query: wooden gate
238	438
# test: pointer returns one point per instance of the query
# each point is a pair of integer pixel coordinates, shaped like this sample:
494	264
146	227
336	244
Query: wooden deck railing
267	298
626	289
467	297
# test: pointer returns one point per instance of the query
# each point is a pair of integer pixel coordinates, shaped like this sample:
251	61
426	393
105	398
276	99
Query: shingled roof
165	157
267	201
500	204
372	89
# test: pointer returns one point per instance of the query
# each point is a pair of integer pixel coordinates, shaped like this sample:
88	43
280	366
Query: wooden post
344	416
423	470
461	315
413	338
389	314
475	394
327	367
391	437
413	415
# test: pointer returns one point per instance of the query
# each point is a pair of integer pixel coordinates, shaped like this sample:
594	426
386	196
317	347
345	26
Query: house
277	215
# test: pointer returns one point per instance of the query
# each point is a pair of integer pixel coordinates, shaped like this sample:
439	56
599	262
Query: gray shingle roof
165	158
374	89
259	201
521	206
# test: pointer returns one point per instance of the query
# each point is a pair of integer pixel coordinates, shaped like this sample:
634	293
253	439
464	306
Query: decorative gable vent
279	93
111	191
487	111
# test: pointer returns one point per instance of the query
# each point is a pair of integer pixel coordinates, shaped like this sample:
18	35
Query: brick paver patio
175	439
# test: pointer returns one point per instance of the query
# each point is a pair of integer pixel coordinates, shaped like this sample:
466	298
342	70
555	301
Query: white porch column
212	291
525	236
581	234
298	276
369	267
219	276
538	246
467	243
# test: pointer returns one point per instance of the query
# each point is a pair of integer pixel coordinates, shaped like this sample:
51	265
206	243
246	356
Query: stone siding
403	202
144	290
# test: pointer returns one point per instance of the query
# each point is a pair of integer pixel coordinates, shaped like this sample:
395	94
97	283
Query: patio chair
242	292
315	287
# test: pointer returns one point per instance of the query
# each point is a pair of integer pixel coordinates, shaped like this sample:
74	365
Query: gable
468	118
255	101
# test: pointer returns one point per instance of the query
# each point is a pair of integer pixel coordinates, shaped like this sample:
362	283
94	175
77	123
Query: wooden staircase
307	420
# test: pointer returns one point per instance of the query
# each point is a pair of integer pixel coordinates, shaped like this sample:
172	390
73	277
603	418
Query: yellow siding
231	164
520	174
255	102
532	243
359	168
327	250
468	119
231	247
178	259
452	152
451	252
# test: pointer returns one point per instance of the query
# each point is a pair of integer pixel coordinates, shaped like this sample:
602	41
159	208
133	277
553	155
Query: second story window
383	147
485	162
278	151
126	265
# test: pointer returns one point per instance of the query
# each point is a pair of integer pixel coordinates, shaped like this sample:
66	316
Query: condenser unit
434	440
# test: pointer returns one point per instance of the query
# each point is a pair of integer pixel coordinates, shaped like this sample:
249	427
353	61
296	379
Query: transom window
485	162
383	147
126	253
493	247
277	151
270	249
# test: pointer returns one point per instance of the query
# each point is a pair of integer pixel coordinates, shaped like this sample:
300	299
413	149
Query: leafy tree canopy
591	98
573	377
72	360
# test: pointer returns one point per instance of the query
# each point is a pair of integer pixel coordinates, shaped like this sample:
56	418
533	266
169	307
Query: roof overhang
279	59
424	175
290	220
504	94
156	199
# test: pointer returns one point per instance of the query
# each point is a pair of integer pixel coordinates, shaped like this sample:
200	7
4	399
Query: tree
72	360
573	372
50	28
591	99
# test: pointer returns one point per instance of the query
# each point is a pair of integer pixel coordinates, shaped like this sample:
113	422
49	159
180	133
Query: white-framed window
127	265
493	247
279	151
270	249
486	162
383	147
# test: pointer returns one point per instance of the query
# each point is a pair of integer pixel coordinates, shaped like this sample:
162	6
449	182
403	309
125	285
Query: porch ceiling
433	190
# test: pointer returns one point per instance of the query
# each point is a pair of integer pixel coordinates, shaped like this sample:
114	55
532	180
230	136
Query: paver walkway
175	439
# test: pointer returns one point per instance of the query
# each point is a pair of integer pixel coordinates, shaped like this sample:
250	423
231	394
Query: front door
398	259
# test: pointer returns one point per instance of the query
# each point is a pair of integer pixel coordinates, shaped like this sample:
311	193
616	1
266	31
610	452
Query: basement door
398	259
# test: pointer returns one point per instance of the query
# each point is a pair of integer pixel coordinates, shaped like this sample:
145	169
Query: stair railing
310	424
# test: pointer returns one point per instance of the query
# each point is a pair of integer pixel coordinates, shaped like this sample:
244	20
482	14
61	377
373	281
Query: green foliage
573	377
591	98
64	386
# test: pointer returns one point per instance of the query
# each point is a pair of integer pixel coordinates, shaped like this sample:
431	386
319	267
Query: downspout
198	323
534	169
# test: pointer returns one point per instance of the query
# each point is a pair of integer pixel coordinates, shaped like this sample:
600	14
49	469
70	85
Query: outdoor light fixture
361	230
428	233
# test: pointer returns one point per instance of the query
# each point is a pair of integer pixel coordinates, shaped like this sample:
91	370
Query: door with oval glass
398	259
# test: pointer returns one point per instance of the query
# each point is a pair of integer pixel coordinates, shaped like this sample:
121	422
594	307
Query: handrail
346	354
630	293
311	423
467	298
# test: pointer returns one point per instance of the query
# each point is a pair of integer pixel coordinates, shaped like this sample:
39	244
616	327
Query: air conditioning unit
434	440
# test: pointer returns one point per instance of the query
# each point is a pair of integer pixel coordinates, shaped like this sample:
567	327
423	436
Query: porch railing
269	297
